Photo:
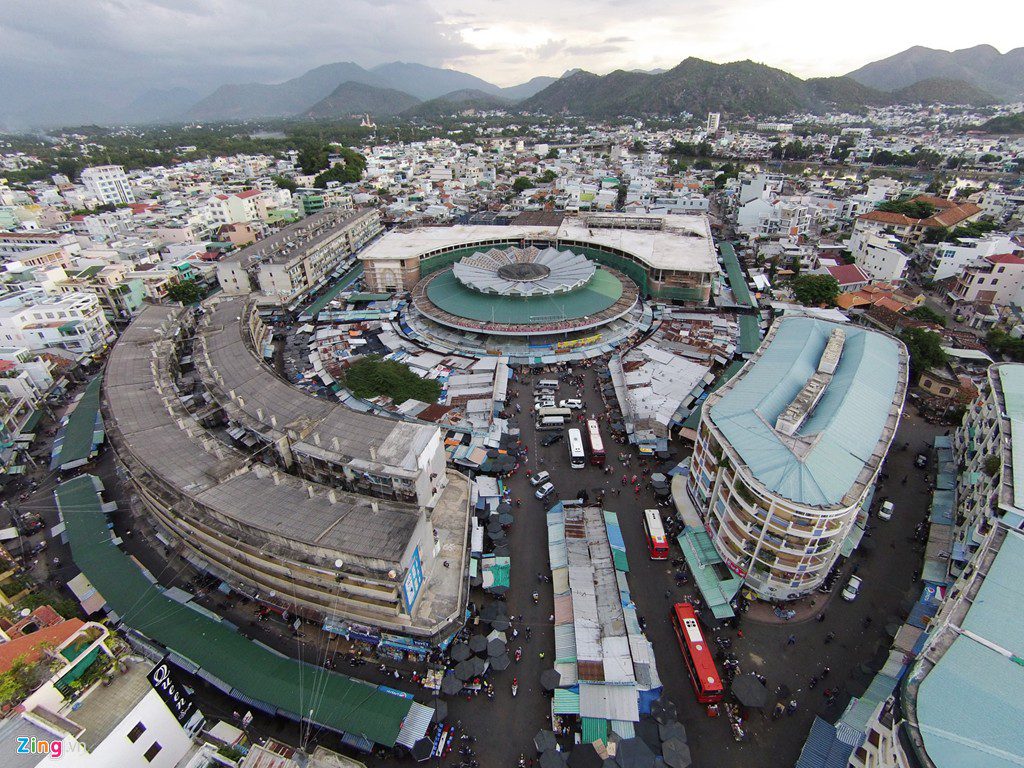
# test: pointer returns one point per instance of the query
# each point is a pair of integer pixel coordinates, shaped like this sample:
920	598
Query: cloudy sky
73	55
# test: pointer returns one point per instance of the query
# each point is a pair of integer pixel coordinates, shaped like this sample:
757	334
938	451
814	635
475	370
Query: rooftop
299	237
677	242
99	713
843	436
969	707
1011	385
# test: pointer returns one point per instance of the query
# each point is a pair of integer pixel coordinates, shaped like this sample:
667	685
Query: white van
547	384
551	422
573	403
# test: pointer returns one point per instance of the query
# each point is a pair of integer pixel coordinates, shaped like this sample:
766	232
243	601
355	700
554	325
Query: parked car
544	491
551	439
852	589
921	461
572	403
885	511
540	477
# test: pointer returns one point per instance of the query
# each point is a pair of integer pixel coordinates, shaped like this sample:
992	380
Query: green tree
521	184
552	154
283	182
925	349
816	290
547	177
313	157
348	171
1006	345
927	314
638	147
371	377
17	682
914	209
187	292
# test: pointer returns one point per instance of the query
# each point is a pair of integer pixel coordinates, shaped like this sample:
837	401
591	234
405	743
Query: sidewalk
805	609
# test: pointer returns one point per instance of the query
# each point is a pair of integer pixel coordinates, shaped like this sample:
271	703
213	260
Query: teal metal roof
82	433
843	429
1011	379
717	585
750	334
737	280
970	707
343	703
603	290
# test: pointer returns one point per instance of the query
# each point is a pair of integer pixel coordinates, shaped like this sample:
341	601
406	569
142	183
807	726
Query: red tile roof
848	274
30	646
1004	258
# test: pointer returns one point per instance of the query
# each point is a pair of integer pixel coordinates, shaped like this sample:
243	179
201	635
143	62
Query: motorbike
536	598
515	686
519	654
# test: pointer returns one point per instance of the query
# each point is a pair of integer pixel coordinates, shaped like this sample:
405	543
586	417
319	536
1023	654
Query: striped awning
414	726
566	702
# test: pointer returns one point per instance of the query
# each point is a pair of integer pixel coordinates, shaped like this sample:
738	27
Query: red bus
700	662
596	443
657	542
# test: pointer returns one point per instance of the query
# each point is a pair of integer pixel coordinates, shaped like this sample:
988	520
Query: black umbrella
501	623
892	629
498	589
676	754
471	668
495	647
478	643
670	731
782	691
545	740
501	550
493	528
489	612
504	508
422	750
666	491
663	710
440	711
496	536
633	753
647	731
663	455
749	691
506	518
658	477
451	685
552	759
461	652
550	679
475	581
500	663
584	756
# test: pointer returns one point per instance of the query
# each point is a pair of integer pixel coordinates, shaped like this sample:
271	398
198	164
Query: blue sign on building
413	580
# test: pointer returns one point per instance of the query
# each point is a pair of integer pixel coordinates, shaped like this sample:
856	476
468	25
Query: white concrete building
879	256
108	184
997	279
74	322
948	259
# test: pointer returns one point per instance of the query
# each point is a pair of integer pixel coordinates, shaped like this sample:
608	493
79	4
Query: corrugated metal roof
623	728
567	669
560	580
565	643
594	729
415	725
565	702
846	423
610	702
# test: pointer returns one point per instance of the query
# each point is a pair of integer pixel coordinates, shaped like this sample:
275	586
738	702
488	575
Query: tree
371	376
187	292
552	154
283	182
925	349
914	209
638	147
313	157
927	314
348	171
1006	345
18	681
521	184
547	177
815	290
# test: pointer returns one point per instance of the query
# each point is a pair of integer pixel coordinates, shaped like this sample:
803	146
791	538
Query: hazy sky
80	52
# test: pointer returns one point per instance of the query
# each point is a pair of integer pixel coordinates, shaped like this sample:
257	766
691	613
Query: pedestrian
791	640
829	637
825	671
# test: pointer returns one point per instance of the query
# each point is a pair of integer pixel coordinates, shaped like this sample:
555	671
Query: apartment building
910	231
24	374
948	259
880	256
788	451
18	242
108	184
74	322
120	294
301	257
996	279
237	208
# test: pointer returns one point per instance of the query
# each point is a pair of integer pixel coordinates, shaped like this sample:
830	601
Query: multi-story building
24	374
996	279
237	208
788	451
108	184
880	256
74	322
948	259
17	242
120	294
301	257
910	231
988	490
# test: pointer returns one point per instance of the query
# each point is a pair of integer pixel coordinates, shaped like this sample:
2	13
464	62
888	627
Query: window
135	732
152	752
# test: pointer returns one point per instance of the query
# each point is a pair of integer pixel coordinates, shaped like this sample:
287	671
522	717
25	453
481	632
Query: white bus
657	542
577	454
563	412
551	422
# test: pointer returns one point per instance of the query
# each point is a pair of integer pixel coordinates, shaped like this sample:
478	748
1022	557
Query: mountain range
973	76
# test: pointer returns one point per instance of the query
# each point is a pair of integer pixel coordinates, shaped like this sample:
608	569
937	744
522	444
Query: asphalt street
504	726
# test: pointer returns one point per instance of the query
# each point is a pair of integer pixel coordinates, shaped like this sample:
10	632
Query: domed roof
524	271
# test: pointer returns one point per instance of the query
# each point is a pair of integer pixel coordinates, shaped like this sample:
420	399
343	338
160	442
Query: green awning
566	702
620	561
594	729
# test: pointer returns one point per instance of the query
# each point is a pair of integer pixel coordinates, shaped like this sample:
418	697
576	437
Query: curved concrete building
788	450
299	503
